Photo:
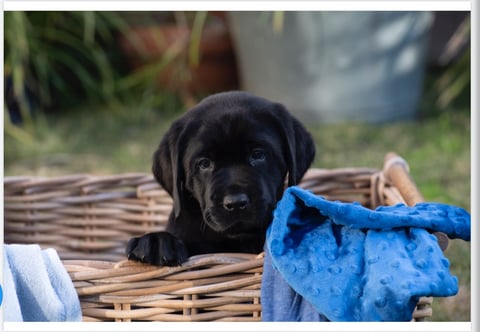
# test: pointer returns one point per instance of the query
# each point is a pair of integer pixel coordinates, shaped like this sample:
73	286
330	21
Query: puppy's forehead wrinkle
234	136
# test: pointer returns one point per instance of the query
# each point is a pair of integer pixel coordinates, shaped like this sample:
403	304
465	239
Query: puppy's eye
204	164
257	155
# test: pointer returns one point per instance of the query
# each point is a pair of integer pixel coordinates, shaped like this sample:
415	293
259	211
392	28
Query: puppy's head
229	156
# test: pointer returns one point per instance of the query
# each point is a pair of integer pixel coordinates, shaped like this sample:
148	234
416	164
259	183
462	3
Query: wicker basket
89	219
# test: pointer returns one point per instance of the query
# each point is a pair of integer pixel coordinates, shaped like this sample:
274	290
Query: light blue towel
354	264
37	288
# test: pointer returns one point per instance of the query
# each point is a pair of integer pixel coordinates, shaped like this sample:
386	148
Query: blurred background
93	92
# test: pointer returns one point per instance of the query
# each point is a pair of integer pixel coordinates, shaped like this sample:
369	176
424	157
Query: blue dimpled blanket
356	264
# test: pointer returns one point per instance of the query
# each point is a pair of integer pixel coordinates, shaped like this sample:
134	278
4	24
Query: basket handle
397	172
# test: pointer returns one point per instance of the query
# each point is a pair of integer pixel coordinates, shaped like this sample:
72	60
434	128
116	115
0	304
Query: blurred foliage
55	58
58	60
454	83
448	87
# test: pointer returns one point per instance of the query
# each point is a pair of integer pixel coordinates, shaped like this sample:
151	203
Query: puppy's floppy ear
167	165
299	143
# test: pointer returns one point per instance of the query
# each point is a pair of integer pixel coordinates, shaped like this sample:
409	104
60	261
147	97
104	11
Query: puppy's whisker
204	225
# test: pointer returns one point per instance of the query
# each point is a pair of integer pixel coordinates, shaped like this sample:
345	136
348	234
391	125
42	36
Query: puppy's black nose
235	202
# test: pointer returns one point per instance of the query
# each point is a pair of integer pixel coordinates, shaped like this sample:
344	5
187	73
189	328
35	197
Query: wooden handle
396	171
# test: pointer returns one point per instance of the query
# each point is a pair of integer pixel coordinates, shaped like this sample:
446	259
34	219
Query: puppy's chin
233	227
218	224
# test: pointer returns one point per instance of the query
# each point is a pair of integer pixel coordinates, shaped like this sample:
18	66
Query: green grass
437	148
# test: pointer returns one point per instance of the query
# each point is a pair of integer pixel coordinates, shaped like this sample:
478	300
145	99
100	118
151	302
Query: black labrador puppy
224	163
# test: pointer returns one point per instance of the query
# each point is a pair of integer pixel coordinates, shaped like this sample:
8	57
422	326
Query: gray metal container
335	66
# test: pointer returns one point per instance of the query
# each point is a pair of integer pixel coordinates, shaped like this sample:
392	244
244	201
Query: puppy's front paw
161	248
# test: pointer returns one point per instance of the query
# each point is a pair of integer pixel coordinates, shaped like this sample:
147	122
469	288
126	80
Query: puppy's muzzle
236	202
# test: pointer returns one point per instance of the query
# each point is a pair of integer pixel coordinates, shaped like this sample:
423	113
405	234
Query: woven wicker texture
88	220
